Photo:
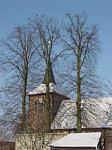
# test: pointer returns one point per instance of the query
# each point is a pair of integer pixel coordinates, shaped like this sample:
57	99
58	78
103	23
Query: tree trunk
24	87
48	101
48	107
78	103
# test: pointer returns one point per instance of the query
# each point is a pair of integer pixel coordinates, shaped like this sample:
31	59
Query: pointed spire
49	71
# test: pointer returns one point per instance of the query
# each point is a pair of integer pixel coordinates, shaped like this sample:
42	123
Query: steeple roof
41	89
49	71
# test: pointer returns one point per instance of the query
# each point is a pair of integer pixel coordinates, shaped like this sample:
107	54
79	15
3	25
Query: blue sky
16	12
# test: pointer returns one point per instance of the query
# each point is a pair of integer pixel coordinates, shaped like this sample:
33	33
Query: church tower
37	111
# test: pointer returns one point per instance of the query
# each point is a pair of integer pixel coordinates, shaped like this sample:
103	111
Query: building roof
49	71
79	140
41	89
96	113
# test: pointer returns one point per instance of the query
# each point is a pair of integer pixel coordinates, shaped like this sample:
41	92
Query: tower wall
37	112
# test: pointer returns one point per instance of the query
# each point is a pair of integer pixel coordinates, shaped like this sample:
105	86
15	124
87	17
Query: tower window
40	99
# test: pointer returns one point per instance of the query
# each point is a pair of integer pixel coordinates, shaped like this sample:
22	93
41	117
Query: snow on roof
79	140
96	113
41	89
66	116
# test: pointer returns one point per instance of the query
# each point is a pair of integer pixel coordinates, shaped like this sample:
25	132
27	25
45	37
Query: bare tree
81	43
48	34
19	59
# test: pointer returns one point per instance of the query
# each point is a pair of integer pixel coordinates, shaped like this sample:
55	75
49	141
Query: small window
40	99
